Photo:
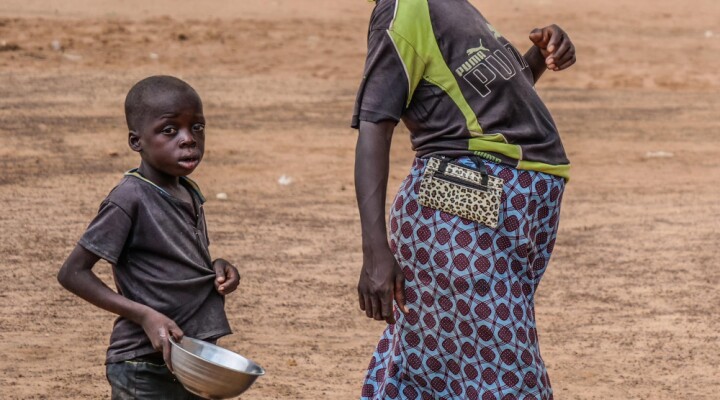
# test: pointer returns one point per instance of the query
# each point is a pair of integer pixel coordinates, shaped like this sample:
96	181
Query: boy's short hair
135	101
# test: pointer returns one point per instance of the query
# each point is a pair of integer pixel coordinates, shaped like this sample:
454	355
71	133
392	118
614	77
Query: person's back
151	228
459	86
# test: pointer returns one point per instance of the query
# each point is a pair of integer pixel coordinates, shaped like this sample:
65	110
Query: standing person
465	326
151	228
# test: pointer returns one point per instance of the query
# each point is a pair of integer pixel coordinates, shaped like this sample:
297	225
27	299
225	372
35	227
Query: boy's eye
169	130
198	128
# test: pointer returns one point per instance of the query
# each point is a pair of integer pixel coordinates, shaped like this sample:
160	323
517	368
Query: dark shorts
145	379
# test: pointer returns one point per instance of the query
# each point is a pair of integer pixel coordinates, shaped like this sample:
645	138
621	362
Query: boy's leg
145	380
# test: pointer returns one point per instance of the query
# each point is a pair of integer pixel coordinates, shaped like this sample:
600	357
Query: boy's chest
174	231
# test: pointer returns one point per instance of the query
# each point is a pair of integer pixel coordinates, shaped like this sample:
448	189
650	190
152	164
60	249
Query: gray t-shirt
158	246
460	87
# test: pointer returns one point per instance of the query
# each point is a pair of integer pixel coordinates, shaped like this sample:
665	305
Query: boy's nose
187	139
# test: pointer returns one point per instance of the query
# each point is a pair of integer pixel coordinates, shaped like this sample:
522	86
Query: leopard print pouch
459	190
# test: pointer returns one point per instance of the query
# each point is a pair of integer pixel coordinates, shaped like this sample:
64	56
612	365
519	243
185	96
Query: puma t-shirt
458	85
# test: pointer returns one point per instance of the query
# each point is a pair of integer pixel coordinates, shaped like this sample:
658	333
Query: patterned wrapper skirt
471	332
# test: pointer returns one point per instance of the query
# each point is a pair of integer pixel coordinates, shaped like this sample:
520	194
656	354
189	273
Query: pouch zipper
459	181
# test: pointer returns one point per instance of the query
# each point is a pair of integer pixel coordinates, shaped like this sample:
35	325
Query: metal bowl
210	371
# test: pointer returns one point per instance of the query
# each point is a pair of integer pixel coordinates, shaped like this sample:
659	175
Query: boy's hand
227	277
159	328
555	46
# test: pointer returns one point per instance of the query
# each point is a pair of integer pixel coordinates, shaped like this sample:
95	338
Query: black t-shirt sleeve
383	92
107	233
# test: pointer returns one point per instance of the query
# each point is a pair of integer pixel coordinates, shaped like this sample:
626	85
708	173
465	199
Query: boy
151	228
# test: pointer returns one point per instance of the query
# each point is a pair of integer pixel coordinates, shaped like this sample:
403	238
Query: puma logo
478	49
476	54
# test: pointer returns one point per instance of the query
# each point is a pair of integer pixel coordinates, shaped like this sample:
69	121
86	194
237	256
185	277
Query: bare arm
536	61
552	49
381	279
76	275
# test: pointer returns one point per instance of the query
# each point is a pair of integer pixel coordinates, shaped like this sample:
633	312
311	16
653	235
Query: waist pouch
459	190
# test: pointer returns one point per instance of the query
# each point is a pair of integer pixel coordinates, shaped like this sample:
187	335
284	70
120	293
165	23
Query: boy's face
171	135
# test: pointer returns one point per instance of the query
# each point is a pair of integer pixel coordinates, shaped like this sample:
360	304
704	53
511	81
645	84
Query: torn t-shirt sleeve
108	232
383	92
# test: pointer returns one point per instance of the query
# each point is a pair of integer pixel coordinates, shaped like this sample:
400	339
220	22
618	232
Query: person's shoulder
383	14
401	16
127	194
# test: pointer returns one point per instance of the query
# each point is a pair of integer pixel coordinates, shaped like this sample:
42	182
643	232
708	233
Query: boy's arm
552	49
76	275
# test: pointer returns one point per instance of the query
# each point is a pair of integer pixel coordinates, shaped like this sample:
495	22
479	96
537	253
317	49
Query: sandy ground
628	309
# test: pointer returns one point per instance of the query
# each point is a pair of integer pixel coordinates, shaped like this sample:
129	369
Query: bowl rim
176	345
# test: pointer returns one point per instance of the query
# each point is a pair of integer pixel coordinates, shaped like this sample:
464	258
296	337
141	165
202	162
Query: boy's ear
134	141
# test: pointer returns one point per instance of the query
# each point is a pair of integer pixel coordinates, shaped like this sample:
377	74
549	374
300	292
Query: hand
159	328
227	277
555	46
381	281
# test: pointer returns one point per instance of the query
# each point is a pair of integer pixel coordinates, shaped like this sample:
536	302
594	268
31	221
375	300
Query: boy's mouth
189	162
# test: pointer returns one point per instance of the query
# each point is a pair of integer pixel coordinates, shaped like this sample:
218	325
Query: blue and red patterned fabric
471	332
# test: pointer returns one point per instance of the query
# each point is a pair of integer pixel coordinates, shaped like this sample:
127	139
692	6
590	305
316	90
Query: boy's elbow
77	263
63	276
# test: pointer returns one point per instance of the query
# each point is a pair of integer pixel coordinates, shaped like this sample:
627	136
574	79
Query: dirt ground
627	310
